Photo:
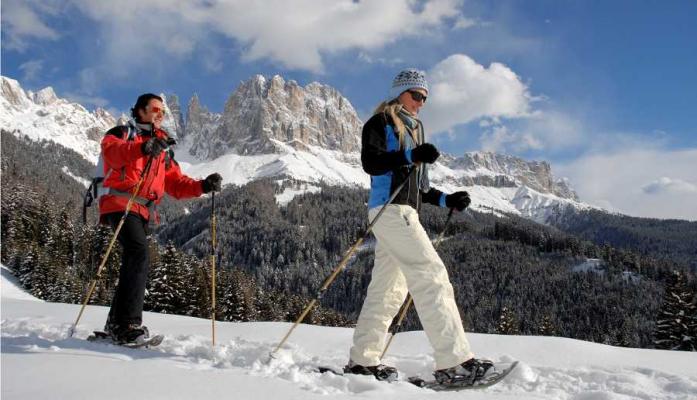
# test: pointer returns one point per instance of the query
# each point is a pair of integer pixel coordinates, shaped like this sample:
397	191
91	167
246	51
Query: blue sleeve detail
442	200
407	154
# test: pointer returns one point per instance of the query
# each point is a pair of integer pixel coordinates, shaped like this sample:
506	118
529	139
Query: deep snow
39	361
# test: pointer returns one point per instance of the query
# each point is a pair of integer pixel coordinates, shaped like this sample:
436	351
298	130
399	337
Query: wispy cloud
24	20
640	181
294	34
86	100
464	23
668	185
31	69
546	130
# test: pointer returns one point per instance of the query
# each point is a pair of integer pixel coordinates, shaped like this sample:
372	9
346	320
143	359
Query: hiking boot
127	333
381	372
467	373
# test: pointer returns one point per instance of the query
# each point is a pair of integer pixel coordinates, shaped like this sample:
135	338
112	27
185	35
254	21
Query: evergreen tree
508	323
198	293
546	327
166	283
106	285
676	319
238	299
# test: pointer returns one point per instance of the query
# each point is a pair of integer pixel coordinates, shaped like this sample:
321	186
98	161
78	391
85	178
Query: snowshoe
381	372
127	335
472	374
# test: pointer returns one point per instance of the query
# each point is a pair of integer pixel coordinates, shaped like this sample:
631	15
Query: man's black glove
458	200
426	153
153	147
213	182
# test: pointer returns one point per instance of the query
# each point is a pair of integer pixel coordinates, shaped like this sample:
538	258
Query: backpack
96	190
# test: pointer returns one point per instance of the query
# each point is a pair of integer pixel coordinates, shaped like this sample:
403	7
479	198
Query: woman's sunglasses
417	96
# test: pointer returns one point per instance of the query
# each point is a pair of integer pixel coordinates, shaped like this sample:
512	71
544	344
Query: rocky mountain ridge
276	128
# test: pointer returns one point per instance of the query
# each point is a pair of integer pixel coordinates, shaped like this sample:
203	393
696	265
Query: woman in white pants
405	260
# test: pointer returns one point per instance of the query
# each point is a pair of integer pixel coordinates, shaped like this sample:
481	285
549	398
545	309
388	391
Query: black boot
381	372
127	333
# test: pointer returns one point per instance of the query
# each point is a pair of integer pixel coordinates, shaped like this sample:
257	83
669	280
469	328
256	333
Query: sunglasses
157	110
417	96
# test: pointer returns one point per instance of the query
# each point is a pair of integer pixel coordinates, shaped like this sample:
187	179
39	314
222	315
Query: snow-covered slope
39	361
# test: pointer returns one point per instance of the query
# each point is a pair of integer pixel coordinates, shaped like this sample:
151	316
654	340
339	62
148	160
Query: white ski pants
405	261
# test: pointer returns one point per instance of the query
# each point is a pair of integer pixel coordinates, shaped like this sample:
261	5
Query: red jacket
123	164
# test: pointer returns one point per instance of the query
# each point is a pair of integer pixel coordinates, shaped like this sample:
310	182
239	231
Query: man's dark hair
142	102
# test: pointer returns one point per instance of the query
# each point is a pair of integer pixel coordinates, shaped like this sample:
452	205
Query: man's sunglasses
157	110
417	96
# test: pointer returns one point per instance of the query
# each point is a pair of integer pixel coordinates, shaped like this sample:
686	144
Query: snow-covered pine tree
508	323
547	327
107	282
238	298
198	295
166	283
675	325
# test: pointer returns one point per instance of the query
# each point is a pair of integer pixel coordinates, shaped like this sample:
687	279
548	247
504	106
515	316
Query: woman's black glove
426	153
458	200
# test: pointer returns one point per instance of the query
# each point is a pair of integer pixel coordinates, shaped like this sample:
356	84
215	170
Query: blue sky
603	90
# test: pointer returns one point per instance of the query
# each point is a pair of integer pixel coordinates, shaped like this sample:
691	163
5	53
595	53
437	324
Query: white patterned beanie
408	79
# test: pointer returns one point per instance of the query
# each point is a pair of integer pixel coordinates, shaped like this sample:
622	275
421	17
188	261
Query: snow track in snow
39	360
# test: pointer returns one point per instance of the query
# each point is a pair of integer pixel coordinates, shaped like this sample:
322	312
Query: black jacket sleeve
375	158
432	197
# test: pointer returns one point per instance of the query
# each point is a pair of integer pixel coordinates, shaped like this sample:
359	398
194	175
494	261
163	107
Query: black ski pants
127	304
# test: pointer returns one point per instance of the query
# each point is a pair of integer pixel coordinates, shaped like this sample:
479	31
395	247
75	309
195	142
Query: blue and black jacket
389	164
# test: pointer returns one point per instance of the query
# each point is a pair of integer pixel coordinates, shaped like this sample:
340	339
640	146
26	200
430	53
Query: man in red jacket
125	157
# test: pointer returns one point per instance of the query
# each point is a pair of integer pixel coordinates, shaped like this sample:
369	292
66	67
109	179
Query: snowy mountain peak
45	96
13	93
45	116
507	170
174	120
273	128
262	112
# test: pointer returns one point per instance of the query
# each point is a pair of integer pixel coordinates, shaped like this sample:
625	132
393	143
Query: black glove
426	153
153	147
458	200
213	182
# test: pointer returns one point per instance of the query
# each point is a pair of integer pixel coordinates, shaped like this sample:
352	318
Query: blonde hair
392	108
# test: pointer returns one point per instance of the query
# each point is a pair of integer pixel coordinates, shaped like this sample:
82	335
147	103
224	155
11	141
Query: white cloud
369	59
294	34
23	20
548	130
31	69
633	181
86	100
500	139
462	91
668	185
464	23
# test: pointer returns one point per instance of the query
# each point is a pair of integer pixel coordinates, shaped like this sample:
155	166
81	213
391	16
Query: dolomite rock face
262	115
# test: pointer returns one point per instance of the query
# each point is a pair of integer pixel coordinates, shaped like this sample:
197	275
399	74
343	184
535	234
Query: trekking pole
213	246
111	243
410	300
342	264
